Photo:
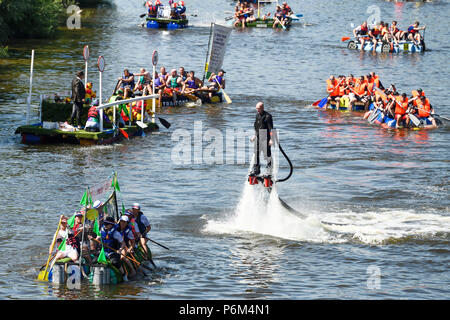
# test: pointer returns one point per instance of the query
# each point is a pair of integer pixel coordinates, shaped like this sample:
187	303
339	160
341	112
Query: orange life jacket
331	87
401	106
361	89
370	88
415	93
424	108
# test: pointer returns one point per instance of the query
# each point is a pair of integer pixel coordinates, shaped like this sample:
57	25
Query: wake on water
260	211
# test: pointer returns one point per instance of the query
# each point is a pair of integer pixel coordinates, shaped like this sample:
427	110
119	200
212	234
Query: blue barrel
173	26
152	24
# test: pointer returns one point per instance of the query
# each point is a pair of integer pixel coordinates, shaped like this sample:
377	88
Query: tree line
33	18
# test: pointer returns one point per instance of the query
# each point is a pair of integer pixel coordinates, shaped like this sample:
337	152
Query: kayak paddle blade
323	102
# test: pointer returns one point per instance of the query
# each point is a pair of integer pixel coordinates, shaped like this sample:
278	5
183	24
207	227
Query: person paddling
144	226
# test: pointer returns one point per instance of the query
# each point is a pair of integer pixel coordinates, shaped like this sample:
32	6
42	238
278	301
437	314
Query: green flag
71	221
84	200
102	257
62	246
115	183
96	229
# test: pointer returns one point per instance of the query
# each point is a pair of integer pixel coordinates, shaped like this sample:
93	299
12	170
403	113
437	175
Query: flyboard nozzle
268	181
252	180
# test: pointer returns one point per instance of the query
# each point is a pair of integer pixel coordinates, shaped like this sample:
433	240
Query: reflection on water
374	182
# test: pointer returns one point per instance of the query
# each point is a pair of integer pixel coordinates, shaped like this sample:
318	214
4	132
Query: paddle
115	88
324	101
43	275
227	98
280	22
157	243
345	39
164	122
412	117
124	133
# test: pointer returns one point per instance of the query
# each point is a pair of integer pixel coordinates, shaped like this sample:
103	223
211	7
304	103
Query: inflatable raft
402	46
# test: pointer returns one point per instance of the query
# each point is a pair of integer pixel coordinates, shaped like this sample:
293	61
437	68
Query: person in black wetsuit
263	135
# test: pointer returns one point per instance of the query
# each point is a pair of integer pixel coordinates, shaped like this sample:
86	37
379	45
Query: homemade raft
100	271
402	46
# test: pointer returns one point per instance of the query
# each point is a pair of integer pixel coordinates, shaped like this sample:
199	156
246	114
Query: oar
115	88
164	122
412	117
227	98
142	15
124	133
323	101
116	251
43	275
280	22
157	243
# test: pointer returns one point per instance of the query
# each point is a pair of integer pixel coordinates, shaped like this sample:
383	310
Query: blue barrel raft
152	24
165	23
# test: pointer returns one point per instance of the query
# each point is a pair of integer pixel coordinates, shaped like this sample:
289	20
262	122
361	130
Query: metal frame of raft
165	23
402	46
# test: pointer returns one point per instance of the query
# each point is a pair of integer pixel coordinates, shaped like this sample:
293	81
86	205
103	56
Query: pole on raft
101	68
86	57
31	88
207	52
154	63
154	100
258	10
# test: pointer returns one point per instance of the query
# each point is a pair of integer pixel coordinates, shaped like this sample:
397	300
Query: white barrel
107	275
97	279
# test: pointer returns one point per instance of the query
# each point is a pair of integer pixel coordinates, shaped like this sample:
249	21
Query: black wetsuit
263	127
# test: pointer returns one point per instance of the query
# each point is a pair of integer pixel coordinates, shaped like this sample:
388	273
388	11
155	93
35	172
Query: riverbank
24	19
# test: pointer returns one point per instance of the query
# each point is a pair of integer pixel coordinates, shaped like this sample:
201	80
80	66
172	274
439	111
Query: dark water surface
387	191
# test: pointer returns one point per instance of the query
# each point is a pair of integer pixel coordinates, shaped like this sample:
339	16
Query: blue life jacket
140	224
131	84
108	239
124	232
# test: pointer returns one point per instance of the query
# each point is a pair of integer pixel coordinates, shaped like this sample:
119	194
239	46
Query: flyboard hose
284	204
288	160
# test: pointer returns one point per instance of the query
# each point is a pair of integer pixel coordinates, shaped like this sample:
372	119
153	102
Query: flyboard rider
263	135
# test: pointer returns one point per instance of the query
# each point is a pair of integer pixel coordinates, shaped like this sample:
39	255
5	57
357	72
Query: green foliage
31	18
3	52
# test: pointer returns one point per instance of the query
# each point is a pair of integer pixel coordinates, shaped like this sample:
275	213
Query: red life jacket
93	112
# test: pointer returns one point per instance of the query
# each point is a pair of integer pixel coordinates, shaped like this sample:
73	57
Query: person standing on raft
78	96
263	135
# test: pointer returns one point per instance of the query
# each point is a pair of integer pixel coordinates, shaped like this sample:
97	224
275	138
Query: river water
385	192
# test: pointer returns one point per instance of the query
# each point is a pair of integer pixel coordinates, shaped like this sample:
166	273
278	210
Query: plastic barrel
152	24
172	26
98	276
58	274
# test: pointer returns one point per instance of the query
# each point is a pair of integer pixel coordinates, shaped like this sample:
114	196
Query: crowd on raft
383	33
245	13
156	9
121	240
167	85
368	90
